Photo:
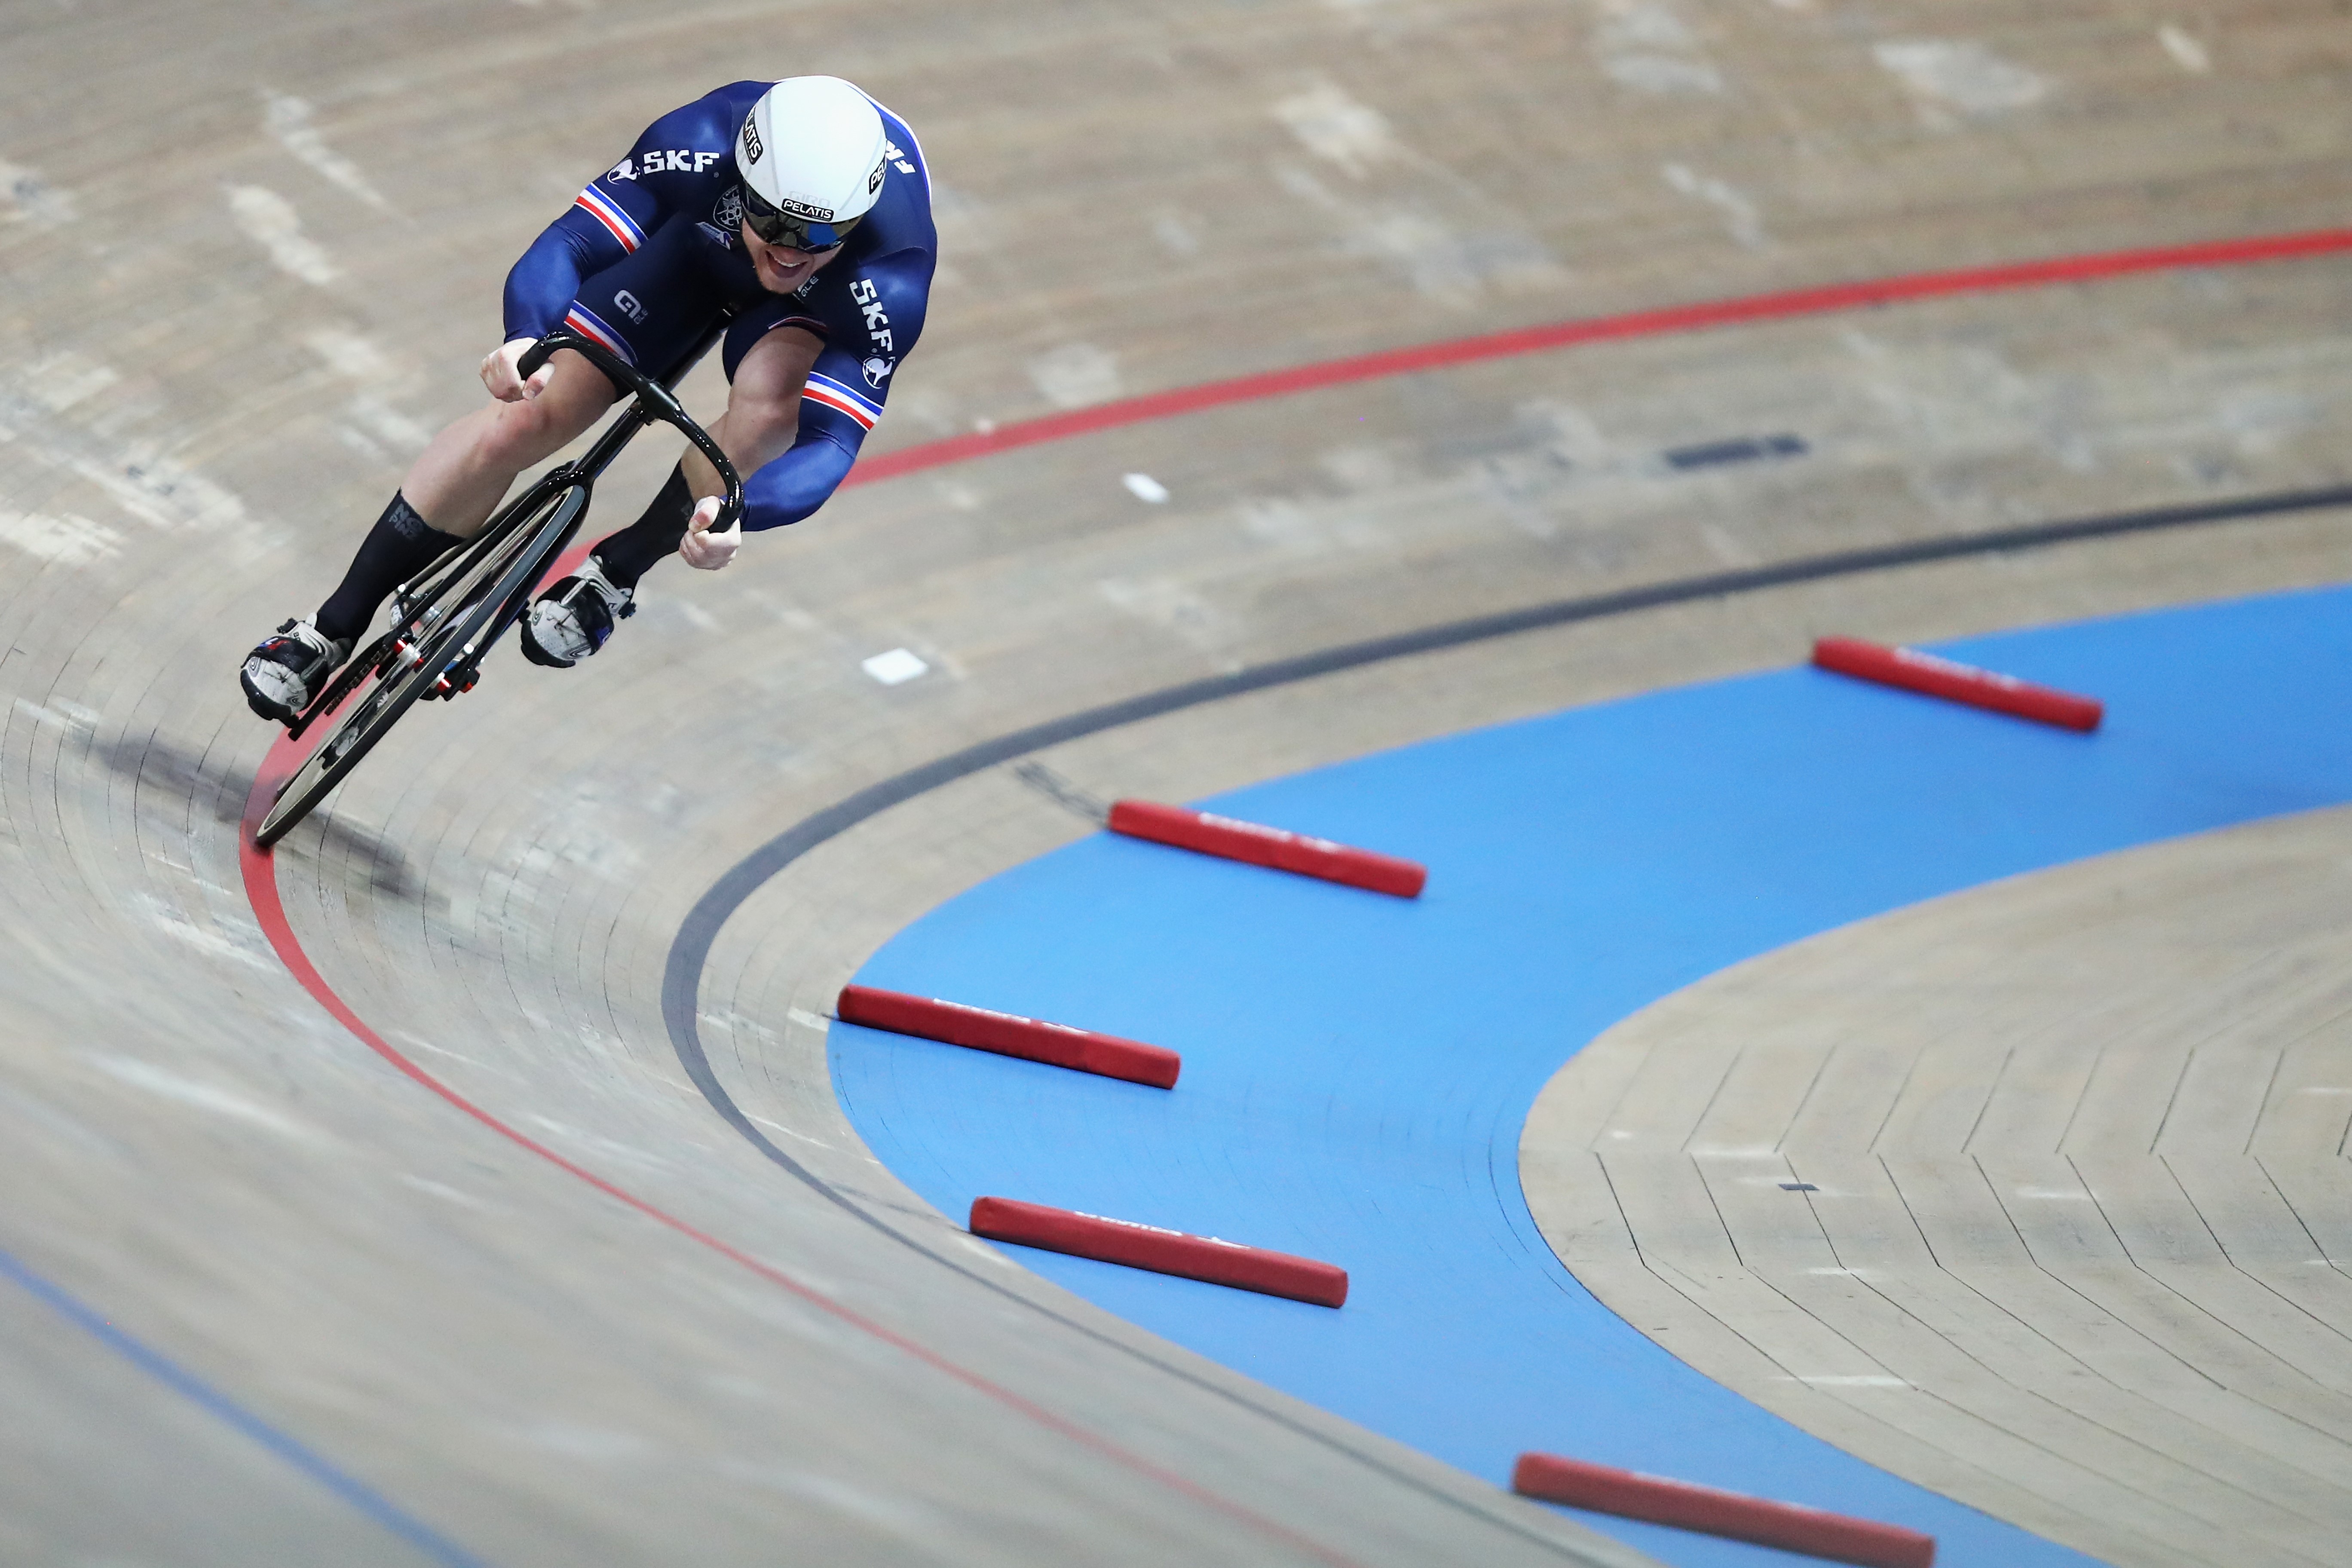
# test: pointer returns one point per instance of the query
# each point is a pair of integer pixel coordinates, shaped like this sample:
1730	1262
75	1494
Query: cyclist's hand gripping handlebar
654	400
704	548
498	374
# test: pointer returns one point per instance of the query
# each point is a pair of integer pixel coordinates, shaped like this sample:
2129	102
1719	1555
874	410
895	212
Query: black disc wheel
454	630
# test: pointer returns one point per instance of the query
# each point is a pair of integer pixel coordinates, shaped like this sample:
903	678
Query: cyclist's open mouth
773	267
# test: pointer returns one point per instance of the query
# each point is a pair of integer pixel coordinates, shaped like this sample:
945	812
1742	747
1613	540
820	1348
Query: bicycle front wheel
458	628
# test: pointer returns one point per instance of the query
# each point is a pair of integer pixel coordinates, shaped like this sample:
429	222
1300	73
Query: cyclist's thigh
757	319
576	396
654	305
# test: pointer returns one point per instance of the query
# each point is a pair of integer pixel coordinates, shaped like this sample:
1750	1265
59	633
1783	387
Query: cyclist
800	207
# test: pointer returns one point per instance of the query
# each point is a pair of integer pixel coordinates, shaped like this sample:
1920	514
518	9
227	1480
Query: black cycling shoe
575	617
282	676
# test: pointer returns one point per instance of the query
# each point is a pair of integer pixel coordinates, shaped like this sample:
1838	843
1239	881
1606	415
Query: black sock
398	547
632	552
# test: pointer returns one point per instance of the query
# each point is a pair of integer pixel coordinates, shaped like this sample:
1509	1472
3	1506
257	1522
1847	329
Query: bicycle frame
651	402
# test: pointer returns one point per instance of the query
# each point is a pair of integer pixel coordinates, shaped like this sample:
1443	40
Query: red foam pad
1916	671
1008	1034
1162	1251
1261	845
1656	1500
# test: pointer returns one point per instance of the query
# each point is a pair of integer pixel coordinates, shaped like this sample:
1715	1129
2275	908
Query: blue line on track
291	1449
1357	1069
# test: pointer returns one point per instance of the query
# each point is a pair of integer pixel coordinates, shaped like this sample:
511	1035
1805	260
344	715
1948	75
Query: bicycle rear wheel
423	651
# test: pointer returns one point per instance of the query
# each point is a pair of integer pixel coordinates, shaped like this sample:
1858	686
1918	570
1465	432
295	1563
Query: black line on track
690	950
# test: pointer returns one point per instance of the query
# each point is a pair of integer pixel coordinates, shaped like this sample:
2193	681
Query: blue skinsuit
650	256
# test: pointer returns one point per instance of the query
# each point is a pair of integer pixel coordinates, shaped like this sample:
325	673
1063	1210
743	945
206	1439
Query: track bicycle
446	619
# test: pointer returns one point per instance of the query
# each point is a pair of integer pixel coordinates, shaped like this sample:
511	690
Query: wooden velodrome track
252	253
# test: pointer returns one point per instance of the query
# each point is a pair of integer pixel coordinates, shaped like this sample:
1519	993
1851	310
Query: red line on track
260	869
261	887
1781	306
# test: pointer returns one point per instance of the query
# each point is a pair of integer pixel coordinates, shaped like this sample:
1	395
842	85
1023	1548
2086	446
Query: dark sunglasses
778	226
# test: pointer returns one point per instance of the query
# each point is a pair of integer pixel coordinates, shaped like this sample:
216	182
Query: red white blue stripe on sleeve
833	394
607	211
581	319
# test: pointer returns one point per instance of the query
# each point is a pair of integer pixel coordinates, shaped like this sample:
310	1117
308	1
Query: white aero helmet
811	152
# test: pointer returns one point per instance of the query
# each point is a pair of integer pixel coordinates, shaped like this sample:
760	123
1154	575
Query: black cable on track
690	950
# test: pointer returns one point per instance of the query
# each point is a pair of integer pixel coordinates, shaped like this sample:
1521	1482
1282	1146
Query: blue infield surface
1357	1067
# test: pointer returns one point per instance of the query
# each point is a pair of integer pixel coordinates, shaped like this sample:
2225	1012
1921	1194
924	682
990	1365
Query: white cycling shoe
575	618
288	670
